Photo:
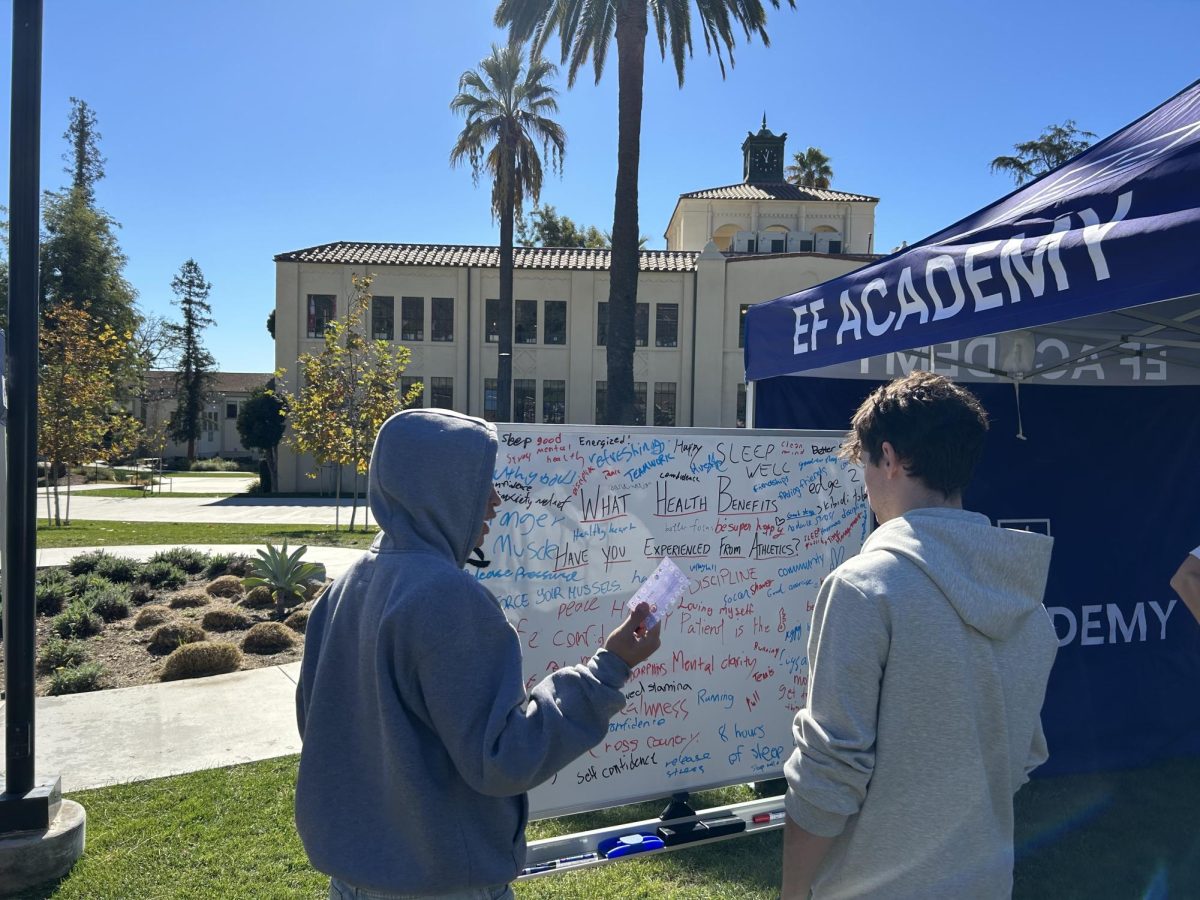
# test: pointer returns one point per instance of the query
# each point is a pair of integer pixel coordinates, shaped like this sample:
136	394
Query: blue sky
238	130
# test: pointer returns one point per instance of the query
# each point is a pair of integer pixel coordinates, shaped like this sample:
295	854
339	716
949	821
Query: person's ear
889	460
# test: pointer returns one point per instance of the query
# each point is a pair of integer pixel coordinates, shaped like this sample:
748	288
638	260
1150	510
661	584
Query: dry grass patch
188	598
228	586
268	637
171	635
152	615
259	598
297	621
201	659
226	618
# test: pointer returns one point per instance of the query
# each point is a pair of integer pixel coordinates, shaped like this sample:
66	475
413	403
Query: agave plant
283	573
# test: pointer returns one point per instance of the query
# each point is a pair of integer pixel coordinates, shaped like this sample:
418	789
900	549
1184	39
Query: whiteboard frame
823	435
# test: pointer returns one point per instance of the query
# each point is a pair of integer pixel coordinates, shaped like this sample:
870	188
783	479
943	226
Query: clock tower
762	155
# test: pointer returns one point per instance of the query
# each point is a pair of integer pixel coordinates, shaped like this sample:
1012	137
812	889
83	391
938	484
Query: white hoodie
928	657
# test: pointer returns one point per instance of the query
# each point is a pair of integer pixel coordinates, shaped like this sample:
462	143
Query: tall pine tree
195	367
81	263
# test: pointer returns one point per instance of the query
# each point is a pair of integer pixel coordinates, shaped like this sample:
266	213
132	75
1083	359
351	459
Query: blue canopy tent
1072	306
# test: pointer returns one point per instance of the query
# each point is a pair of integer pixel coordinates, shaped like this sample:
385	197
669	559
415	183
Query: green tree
507	104
586	28
194	366
81	261
260	424
77	410
810	169
271	324
348	390
546	228
1055	145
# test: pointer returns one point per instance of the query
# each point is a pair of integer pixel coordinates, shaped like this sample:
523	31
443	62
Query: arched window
828	240
723	237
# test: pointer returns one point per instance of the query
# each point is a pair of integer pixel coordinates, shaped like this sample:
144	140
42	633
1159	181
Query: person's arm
834	759
1186	583
502	741
803	853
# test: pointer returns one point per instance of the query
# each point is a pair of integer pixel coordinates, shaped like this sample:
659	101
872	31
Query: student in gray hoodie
928	655
419	739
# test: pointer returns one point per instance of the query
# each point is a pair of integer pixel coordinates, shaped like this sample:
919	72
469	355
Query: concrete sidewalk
241	508
155	730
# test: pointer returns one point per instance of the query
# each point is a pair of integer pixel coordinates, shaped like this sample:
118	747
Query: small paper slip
662	590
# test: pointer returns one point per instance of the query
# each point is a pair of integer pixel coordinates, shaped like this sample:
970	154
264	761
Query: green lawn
228	833
83	533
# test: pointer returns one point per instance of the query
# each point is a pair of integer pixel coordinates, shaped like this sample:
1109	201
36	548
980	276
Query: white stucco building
727	248
218	425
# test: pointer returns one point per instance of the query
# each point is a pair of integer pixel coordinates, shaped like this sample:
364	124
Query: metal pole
20	556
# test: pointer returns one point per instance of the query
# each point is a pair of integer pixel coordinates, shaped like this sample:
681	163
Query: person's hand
631	640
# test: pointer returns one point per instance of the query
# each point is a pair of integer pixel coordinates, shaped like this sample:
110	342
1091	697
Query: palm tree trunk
504	362
623	271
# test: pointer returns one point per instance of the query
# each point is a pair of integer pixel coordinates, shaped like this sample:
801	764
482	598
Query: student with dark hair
420	739
928	659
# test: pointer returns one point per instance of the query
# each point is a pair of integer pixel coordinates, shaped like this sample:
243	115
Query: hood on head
993	577
430	480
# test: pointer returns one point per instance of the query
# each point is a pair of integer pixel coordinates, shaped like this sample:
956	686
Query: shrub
117	569
254	487
78	620
258	598
109	601
200	659
268	637
76	679
188	599
86	562
174	634
151	615
49	596
225	618
226	564
225	586
215	464
162	574
81	585
190	561
58	653
297	621
141	593
284	573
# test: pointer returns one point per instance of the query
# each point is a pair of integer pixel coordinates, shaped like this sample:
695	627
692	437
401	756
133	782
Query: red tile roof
775	191
160	380
363	253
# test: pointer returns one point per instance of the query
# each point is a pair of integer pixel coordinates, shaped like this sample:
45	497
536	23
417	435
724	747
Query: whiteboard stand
553	856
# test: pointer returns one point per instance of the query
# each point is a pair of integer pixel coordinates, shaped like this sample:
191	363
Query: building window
664	403
231	410
742	324
208	423
835	246
442	324
639	401
383	318
556	322
806	245
491	392
666	325
641	325
491	321
407	383
524	400
554	402
741	405
441	392
525	328
320	314
412	319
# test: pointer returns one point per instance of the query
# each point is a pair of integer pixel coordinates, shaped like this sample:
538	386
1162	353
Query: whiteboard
755	518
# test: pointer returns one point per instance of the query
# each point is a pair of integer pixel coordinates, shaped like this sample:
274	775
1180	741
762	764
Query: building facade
218	425
728	247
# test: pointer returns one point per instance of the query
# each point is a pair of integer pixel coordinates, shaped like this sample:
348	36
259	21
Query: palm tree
810	169
586	28
506	103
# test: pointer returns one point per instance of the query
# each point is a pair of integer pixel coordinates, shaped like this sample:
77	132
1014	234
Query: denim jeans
339	890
